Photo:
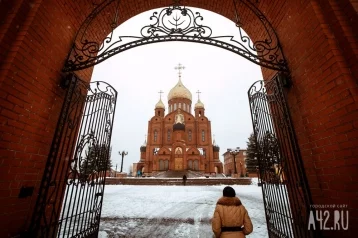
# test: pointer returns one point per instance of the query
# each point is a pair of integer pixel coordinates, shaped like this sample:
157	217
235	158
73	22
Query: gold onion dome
160	104
179	91
199	104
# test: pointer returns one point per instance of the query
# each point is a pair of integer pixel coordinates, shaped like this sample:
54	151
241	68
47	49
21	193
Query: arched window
189	135
202	135
184	106
168	137
180	105
155	135
175	106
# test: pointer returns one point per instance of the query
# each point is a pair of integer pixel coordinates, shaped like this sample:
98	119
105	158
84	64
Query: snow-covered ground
172	211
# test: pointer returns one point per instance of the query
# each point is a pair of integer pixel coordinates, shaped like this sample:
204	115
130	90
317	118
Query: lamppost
258	176
123	153
115	173
234	153
241	170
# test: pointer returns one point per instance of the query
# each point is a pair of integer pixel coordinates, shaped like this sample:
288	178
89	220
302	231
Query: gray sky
140	73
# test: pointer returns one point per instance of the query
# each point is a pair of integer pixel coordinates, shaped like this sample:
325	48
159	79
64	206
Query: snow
172	211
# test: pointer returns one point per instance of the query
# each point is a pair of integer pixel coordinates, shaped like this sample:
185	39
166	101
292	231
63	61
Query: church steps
178	181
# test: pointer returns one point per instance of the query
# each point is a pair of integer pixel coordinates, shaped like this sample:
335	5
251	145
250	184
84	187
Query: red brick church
179	139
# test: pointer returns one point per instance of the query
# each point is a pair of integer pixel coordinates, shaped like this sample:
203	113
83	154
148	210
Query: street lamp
234	153
123	153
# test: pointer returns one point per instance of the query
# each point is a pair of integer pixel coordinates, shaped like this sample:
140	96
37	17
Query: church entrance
163	165
178	164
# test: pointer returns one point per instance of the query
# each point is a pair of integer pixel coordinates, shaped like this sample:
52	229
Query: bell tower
199	107
160	107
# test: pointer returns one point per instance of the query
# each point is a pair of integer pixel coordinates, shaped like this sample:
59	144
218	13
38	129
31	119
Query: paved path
171	211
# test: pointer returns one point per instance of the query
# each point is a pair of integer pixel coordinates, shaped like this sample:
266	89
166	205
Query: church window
202	135
184	106
180	105
189	135
155	135
168	138
175	106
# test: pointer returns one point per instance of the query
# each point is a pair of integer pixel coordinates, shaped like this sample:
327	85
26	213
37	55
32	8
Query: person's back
230	217
184	179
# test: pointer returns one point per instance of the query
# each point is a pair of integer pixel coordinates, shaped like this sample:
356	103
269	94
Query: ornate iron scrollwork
280	165
75	172
173	23
176	20
270	159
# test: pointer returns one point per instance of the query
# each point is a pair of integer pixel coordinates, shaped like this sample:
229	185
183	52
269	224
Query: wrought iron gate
71	192
281	173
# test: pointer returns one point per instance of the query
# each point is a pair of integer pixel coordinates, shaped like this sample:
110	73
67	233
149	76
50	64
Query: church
178	139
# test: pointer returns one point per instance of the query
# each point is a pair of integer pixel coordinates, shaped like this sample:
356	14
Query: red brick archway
320	44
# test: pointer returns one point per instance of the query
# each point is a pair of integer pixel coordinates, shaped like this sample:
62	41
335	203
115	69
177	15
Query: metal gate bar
71	193
284	185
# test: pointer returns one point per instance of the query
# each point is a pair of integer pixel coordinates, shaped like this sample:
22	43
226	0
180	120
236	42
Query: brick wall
319	41
34	45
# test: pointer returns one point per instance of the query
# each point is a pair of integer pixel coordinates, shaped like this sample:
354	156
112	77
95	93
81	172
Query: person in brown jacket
230	219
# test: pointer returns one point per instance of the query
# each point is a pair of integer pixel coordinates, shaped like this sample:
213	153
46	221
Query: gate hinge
66	80
285	80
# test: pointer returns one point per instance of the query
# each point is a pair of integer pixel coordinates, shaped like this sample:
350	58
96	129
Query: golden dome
199	104
160	104
179	91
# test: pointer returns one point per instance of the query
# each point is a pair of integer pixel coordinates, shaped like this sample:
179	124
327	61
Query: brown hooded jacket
229	212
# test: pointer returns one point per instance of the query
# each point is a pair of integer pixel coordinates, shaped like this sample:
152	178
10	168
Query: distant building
179	139
229	168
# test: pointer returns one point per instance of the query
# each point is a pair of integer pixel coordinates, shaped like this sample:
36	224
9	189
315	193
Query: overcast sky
140	73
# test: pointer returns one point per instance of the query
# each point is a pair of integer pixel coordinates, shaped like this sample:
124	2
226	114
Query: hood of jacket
229	201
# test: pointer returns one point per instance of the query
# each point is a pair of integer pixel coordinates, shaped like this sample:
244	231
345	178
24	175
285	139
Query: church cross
179	68
160	94
198	92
